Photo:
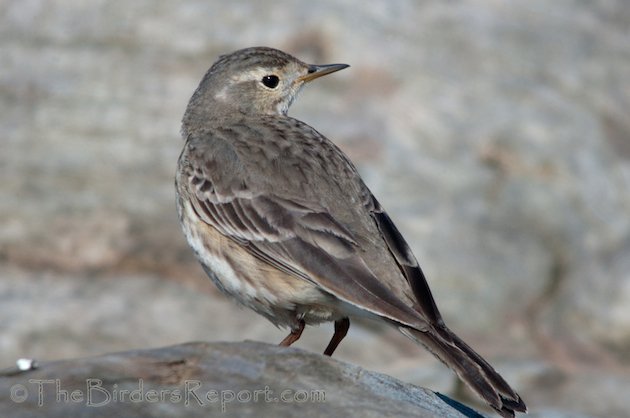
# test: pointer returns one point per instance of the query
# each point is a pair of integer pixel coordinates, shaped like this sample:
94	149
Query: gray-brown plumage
280	219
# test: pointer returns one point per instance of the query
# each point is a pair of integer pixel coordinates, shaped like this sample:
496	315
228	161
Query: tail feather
476	372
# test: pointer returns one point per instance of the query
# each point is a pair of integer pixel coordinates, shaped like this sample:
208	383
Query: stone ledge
198	379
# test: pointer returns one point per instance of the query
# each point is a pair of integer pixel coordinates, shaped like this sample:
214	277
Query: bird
281	220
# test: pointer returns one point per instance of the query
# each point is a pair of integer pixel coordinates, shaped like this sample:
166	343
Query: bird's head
254	81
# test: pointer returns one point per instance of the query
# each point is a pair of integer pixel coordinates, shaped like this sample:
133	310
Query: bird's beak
316	71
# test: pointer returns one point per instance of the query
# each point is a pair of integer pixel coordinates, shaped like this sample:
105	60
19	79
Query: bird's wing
406	262
298	237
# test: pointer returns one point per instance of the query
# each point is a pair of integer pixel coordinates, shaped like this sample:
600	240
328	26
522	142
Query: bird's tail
470	367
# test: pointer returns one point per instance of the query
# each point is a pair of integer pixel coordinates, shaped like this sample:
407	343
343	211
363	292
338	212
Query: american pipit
281	221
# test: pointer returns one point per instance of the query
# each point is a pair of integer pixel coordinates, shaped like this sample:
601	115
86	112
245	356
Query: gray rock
551	413
495	135
228	379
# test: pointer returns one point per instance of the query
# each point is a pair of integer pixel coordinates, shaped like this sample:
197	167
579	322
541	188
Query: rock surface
228	379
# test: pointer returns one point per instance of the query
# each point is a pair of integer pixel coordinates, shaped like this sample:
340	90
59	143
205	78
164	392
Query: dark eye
270	81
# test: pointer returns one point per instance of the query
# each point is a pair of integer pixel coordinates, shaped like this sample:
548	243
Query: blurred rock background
497	134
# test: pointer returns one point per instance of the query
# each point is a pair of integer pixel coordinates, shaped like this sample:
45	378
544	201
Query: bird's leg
294	335
341	329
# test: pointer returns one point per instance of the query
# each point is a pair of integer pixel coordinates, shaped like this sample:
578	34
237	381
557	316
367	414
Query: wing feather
299	237
407	262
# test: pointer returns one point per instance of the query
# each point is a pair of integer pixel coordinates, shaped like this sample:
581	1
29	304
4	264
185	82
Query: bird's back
286	158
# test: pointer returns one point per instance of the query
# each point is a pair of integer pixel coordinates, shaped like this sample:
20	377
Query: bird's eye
271	81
